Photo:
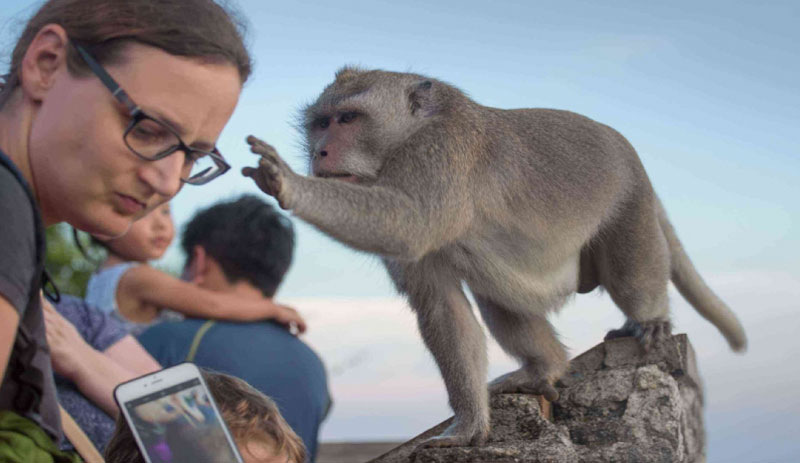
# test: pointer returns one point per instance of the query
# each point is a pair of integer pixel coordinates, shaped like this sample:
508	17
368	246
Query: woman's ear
46	54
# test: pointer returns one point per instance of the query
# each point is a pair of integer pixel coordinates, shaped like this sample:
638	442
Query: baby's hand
290	317
262	308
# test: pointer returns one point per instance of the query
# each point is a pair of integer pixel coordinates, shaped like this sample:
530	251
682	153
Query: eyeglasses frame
137	114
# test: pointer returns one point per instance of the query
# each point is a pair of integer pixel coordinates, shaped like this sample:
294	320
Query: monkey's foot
457	436
522	382
648	333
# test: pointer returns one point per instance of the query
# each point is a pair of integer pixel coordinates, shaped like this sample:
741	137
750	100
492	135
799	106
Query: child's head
260	432
147	239
249	239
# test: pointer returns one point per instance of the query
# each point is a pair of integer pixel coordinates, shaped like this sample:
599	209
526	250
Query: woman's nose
164	175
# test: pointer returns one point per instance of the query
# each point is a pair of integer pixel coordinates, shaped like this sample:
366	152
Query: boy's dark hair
249	239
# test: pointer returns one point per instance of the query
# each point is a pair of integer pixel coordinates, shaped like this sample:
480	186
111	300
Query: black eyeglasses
151	139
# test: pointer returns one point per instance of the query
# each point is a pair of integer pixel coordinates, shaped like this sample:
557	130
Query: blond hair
252	418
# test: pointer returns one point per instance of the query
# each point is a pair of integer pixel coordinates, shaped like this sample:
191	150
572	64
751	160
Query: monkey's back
546	185
557	166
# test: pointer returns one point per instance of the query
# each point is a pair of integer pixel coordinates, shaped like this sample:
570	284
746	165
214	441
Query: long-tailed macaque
525	206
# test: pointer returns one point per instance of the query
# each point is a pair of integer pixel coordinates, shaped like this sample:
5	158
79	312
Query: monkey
525	207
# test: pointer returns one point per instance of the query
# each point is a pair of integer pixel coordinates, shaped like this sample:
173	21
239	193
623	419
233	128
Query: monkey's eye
347	117
323	122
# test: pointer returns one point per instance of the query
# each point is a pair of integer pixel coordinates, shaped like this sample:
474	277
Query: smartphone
174	419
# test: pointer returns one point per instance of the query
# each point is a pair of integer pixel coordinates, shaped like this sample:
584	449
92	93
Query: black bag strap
30	377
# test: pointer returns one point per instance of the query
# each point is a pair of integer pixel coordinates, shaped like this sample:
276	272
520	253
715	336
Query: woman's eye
150	131
193	156
347	117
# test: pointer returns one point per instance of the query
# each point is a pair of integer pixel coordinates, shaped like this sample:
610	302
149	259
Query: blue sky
707	92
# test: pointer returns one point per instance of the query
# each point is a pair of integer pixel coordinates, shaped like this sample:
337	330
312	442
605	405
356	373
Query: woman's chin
105	230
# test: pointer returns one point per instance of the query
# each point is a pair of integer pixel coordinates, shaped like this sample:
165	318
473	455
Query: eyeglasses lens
150	139
153	140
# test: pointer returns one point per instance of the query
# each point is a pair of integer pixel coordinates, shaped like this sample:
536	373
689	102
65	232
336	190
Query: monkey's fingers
543	389
269	163
264	180
654	333
647	333
258	146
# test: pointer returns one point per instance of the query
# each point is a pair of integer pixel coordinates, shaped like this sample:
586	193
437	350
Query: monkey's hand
273	175
648	333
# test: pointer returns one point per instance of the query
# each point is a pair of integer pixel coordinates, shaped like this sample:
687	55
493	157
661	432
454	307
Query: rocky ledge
617	404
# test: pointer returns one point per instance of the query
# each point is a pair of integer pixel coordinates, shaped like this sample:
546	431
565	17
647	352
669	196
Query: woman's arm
95	374
160	289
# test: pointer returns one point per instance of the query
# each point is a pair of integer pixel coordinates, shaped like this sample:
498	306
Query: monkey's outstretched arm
380	218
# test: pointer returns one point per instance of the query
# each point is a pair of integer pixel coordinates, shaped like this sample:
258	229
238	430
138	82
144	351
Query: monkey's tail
692	287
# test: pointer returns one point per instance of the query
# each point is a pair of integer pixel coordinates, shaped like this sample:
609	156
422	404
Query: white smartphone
174	419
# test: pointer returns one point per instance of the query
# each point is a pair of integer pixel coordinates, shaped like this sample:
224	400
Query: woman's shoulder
16	200
21	240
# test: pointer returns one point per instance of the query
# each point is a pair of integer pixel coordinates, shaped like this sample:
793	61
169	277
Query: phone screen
179	424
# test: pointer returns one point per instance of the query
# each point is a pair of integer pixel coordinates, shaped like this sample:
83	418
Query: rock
617	404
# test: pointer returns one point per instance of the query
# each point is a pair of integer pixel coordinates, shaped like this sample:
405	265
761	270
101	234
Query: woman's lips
129	204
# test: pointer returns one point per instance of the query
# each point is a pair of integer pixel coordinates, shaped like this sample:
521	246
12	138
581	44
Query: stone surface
617	404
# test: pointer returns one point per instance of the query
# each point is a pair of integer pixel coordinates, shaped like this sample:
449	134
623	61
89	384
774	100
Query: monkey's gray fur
525	206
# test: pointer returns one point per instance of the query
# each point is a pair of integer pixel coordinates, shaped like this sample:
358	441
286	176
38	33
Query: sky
708	94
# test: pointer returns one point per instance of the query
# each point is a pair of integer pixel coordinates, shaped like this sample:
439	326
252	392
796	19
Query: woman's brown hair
190	28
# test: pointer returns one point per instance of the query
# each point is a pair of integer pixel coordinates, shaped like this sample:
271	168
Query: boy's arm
160	289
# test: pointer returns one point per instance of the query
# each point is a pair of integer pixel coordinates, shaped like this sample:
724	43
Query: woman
108	108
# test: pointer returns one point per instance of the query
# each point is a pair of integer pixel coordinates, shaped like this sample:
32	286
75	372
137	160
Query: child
137	293
260	432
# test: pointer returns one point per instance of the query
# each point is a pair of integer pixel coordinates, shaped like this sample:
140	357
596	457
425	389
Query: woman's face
147	239
84	173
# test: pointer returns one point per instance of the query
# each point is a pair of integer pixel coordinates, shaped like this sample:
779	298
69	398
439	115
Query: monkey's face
357	122
338	140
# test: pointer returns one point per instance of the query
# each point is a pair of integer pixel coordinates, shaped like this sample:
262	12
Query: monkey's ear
422	101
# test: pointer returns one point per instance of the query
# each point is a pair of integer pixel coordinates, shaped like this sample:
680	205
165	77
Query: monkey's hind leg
633	264
455	338
530	338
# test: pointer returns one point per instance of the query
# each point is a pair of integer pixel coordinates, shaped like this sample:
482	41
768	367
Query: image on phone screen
179	424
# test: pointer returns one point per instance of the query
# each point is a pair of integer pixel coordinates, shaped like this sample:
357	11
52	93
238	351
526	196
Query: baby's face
257	451
148	237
